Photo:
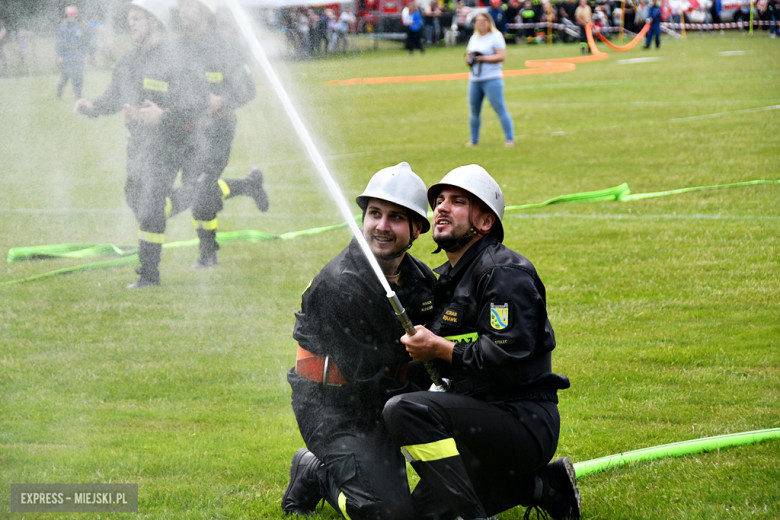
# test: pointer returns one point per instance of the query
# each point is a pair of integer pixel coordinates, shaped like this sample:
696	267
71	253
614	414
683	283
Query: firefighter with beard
230	86
161	96
350	360
483	447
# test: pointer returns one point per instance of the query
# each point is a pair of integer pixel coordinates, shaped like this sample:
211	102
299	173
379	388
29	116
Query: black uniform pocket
347	483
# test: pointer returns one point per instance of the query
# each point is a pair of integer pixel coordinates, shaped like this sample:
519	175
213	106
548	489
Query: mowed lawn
666	310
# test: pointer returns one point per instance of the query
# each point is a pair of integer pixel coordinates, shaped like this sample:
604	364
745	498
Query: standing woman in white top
486	53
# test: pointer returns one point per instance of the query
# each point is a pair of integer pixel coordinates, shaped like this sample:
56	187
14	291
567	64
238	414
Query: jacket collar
447	270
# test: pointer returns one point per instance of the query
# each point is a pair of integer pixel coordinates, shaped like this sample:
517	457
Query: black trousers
413	40
153	162
205	159
72	69
363	473
474	458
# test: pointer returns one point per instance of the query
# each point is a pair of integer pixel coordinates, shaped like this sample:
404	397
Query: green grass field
666	310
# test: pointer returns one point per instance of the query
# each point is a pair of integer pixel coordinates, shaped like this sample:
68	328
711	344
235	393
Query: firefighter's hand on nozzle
425	345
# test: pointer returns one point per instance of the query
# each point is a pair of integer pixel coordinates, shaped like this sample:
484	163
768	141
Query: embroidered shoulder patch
499	316
451	316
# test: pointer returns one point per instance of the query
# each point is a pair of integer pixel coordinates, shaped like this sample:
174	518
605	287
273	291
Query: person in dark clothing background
654	19
230	86
161	96
350	360
497	11
72	44
483	447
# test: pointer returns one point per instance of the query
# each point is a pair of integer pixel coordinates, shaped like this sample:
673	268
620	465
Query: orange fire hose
534	66
630	45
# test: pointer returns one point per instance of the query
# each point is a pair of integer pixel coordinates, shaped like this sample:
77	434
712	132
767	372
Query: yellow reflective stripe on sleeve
214	77
464	338
225	188
343	505
156	85
433	450
209	225
152	238
168	207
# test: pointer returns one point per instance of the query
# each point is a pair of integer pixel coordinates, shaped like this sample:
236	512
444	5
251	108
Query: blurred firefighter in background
161	96
72	44
230	86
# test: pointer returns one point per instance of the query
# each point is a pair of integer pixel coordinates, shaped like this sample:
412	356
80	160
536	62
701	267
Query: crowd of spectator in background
630	15
312	32
90	37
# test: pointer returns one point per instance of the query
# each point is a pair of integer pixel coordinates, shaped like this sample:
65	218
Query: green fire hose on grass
675	449
128	254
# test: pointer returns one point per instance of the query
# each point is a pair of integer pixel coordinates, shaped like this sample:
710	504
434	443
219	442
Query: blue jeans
494	90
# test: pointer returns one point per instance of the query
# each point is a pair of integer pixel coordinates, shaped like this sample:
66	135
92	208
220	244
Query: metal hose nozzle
440	384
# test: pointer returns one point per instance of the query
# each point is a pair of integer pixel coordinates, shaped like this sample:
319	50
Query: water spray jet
335	191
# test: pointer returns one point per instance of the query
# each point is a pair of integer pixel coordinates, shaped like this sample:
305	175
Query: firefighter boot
149	254
556	490
303	492
208	249
252	186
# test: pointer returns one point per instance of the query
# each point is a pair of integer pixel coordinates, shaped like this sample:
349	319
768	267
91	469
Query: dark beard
451	243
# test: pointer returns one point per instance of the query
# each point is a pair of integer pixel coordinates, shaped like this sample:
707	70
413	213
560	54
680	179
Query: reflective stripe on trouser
343	505
154	238
225	189
500	447
431	451
209	225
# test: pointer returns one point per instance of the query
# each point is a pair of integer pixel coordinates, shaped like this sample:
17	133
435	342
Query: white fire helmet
157	8
477	181
400	185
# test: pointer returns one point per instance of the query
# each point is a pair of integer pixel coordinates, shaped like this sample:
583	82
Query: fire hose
440	384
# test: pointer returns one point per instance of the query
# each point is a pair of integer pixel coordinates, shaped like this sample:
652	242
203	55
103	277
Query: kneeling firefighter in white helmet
485	446
350	360
161	96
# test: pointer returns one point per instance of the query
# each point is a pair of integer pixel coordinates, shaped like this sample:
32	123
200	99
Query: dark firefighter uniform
154	152
345	315
72	41
228	77
477	448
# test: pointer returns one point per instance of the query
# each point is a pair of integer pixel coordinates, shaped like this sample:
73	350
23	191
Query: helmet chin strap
411	236
455	244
